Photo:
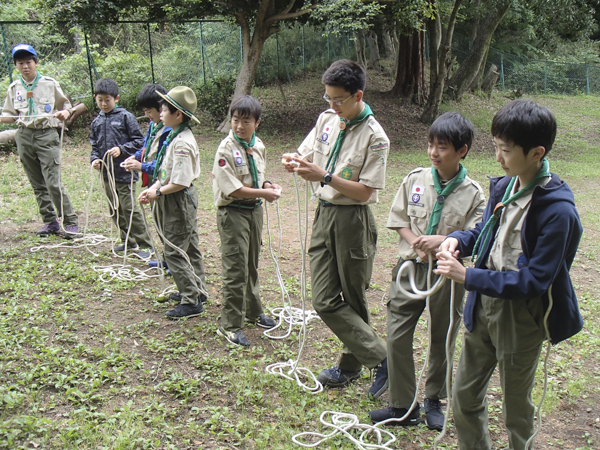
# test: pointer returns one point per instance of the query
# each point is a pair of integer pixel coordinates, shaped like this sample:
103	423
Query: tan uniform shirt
231	169
506	248
181	164
362	157
416	199
48	98
153	150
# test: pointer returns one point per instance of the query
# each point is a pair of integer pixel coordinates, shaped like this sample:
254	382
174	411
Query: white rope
294	316
345	422
529	443
179	250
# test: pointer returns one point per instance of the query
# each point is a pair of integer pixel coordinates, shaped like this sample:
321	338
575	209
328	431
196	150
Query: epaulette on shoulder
47	78
418	170
13	83
475	183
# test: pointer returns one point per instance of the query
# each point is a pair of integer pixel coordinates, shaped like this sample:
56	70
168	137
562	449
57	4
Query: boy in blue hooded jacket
522	252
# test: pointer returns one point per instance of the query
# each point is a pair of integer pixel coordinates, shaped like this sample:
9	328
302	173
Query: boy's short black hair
346	74
246	106
173	110
148	97
525	123
454	128
106	86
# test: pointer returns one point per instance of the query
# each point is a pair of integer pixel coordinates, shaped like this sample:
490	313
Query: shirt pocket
418	218
452	222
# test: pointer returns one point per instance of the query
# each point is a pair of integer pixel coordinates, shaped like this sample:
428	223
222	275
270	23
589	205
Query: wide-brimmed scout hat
21	50
184	99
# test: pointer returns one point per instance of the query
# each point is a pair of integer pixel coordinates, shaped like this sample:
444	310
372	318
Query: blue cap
23	48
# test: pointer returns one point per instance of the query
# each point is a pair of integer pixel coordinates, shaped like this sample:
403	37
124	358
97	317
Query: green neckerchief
251	162
366	112
486	232
161	153
442	193
154	128
31	105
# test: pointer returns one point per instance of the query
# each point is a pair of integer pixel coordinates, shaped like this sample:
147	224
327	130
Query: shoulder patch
379	147
182	152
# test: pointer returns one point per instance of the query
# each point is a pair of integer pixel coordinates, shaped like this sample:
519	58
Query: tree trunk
359	44
439	61
265	25
388	42
374	58
490	80
410	73
468	70
478	80
245	79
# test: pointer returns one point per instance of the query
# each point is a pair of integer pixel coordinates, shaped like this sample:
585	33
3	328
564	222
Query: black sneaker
379	415
145	254
187	310
121	247
263	321
236	338
336	377
380	380
434	417
48	229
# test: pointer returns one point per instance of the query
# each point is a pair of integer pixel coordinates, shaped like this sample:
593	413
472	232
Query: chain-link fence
192	53
533	76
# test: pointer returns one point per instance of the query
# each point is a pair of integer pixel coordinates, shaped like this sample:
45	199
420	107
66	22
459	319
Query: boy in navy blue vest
522	252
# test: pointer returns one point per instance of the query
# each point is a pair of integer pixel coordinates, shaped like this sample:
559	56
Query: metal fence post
89	58
546	77
303	61
587	80
328	57
202	55
502	70
150	47
7	53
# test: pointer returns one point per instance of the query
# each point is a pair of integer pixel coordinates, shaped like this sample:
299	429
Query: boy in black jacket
115	132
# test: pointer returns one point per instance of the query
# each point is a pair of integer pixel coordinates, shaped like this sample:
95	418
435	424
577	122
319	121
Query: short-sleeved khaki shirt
48	98
181	164
231	169
362	158
153	150
506	248
415	201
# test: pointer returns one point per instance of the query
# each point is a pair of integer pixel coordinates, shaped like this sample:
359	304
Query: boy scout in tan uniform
177	167
347	158
238	186
462	201
40	104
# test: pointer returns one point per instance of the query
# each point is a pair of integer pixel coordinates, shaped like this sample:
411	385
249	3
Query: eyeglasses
336	102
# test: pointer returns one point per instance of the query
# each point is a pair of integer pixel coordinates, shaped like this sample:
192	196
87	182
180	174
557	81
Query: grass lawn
89	364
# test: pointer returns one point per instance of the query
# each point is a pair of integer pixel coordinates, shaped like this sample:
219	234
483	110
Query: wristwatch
327	178
158	193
